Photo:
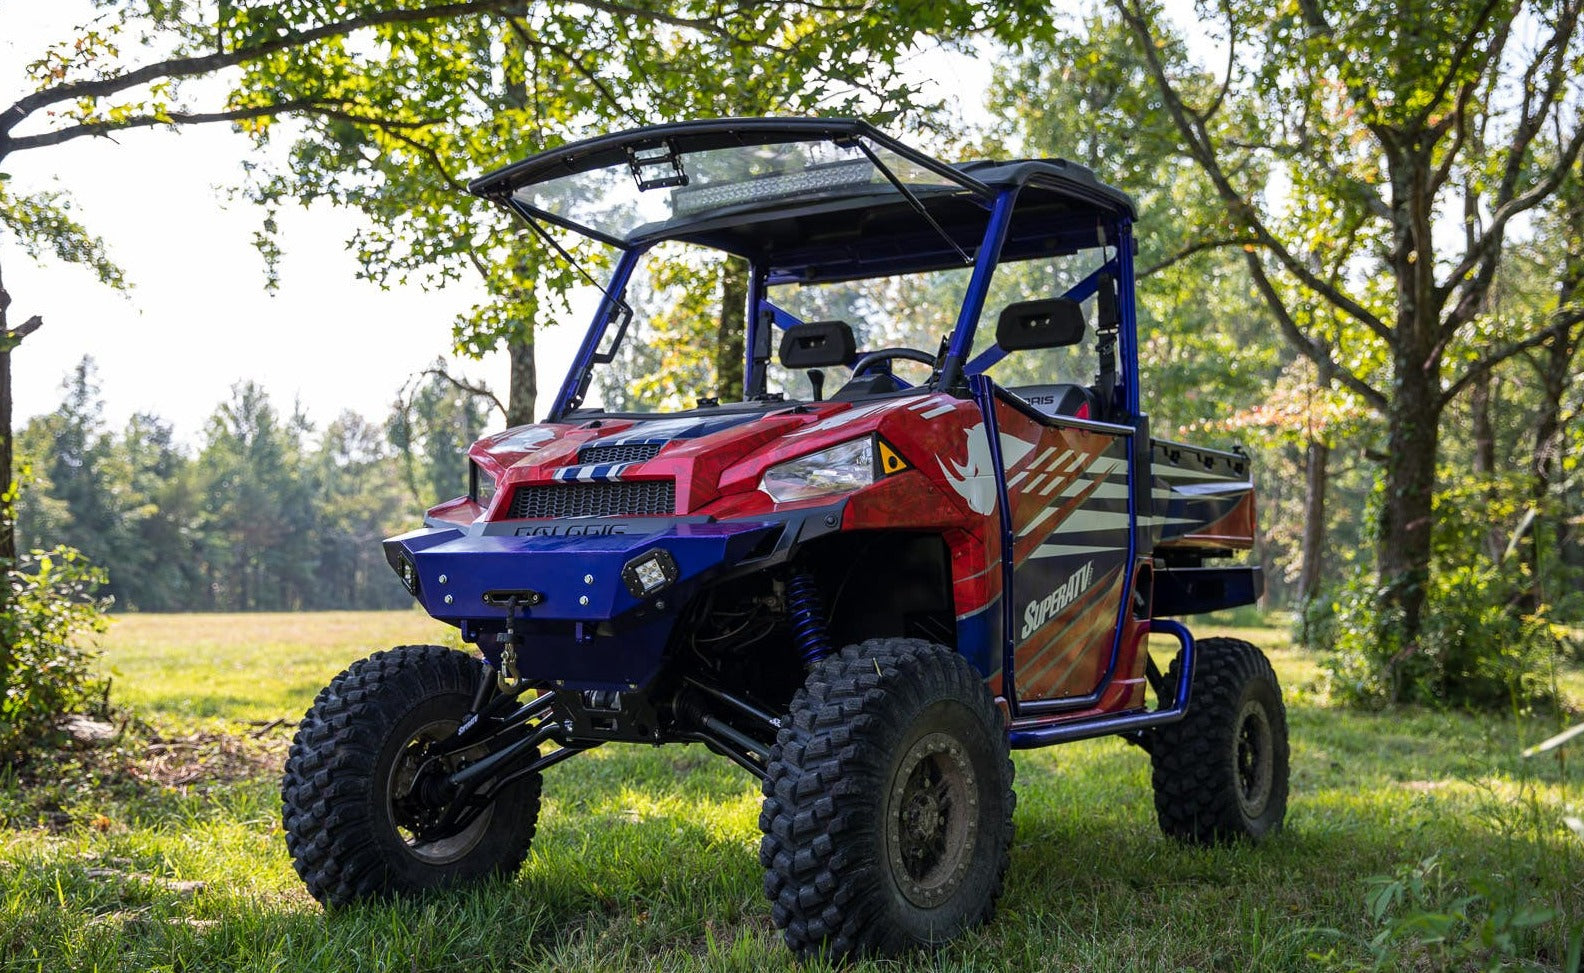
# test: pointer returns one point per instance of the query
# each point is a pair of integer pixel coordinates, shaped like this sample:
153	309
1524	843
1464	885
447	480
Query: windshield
688	305
658	188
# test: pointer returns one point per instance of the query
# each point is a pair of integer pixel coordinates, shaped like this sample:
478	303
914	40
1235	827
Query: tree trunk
1403	545
7	508
7	496
7	485
1484	435
729	335
1413	409
524	387
1485	456
1556	375
1316	471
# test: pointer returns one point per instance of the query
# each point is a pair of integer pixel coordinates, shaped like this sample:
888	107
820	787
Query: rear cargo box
1204	499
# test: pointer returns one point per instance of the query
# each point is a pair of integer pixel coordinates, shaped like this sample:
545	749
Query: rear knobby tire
888	805
1220	773
352	824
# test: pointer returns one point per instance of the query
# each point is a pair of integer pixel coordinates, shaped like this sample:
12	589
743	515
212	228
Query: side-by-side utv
926	526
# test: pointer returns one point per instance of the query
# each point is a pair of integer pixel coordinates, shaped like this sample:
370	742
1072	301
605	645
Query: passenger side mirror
818	344
1055	322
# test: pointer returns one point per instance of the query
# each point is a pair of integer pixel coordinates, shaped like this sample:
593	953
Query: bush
1314	621
1474	649
1424	921
1483	642
45	671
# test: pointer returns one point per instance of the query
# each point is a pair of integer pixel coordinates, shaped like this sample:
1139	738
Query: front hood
703	463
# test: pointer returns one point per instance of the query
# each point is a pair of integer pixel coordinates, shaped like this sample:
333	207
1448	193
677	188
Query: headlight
839	469
481	484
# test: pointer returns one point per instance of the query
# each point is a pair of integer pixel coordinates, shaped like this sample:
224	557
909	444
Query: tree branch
616	104
1482	258
11	338
300	106
1456	62
1459	119
1558	328
1202	149
1509	202
1191	250
467	388
186	67
433	155
26	328
1370	114
1226	82
1312	348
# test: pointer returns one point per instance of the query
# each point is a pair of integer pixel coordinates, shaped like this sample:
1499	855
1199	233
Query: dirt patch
207	758
57	783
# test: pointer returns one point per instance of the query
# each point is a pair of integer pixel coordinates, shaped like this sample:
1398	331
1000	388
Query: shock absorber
807	613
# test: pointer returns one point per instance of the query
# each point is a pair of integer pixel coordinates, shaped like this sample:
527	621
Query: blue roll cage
1034	725
1115	232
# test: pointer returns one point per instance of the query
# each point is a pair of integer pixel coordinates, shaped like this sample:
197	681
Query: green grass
646	858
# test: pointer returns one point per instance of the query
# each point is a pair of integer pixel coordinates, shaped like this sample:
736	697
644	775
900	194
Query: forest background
1362	247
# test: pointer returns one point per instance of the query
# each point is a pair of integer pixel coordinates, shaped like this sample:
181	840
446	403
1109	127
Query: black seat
1060	399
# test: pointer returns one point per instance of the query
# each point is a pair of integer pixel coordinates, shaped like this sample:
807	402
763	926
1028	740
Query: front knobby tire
1220	773
356	825
887	816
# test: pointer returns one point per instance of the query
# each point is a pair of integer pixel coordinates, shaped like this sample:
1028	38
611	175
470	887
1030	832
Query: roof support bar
913	201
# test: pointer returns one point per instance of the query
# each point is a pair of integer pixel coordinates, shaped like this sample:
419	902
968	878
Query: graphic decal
686	427
1038	612
594	473
1070	498
843	417
974	480
891	461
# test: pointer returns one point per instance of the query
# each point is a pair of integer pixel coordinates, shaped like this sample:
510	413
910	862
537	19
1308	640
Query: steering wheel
886	354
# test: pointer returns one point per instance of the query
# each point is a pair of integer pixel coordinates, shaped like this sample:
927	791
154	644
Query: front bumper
586	628
575	579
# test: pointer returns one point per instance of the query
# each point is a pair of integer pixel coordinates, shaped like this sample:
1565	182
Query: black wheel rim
414	816
932	819
1254	759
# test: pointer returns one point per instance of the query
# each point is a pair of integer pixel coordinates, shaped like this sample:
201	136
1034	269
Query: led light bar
830	175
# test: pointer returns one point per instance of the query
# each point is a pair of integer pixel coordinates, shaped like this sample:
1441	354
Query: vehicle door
1067	486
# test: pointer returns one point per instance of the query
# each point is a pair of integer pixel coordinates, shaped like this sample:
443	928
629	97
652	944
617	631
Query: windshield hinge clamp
643	160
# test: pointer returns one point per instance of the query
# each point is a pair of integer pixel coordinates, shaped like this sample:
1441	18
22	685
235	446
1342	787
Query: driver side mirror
1055	322
818	344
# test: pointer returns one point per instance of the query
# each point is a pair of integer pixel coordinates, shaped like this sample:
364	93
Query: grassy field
164	851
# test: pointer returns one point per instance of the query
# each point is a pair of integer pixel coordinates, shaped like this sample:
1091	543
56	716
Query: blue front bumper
585	628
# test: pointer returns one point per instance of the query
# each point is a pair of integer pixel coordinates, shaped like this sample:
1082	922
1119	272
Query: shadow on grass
647	858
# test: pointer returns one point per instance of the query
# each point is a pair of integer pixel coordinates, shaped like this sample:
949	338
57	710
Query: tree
1406	143
85	86
74	453
359	501
442	102
156	571
432	423
1209	351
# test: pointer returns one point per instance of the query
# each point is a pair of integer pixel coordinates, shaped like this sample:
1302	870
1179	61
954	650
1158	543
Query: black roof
1061	176
1059	201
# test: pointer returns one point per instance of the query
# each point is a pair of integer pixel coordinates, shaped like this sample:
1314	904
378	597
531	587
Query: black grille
624	453
637	498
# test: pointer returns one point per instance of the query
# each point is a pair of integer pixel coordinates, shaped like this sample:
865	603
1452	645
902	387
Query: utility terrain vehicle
865	598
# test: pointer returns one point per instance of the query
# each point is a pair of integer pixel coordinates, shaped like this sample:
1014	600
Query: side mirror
1051	323
818	344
